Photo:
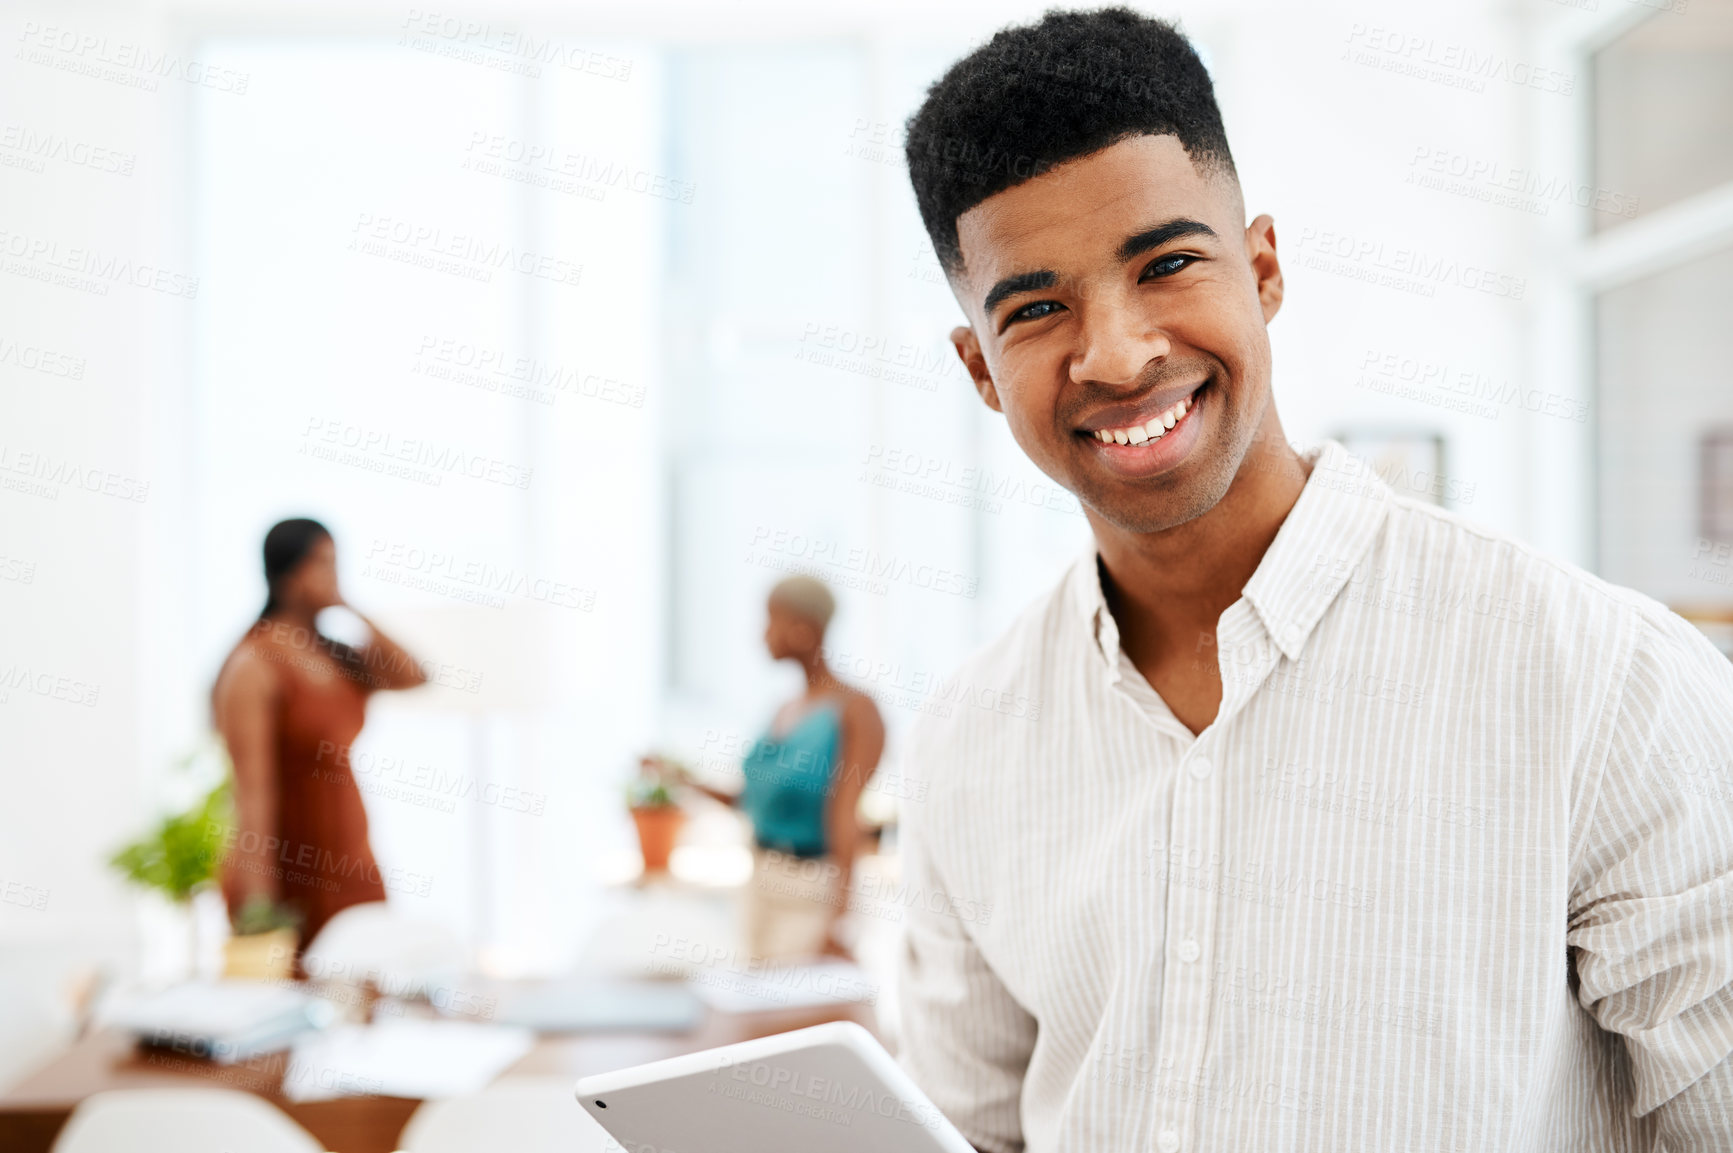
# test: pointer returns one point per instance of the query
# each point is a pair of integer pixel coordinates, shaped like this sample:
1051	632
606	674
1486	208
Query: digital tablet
830	1087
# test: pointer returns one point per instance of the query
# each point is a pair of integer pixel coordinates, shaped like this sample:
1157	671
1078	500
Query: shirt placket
1194	894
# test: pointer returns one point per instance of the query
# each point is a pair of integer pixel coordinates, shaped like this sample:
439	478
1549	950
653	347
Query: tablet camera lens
601	1104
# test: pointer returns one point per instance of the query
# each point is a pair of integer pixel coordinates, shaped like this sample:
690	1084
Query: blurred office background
1505	226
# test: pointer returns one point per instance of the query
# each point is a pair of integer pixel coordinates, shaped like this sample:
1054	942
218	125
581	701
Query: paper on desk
826	982
227	1021
402	1058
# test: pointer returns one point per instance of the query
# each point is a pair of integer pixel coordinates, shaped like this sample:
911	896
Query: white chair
402	955
181	1121
520	1114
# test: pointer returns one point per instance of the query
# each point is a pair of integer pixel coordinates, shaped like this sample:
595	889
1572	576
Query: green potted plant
655	812
178	858
181	857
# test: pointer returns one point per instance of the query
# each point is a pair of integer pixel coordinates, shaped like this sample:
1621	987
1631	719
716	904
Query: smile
1140	444
1154	428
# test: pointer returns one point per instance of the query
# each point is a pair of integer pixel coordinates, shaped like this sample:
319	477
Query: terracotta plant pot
260	956
658	828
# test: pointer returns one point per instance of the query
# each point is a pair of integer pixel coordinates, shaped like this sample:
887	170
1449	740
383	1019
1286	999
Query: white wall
73	773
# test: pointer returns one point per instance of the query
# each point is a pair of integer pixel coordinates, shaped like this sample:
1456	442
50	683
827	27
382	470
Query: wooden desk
32	1113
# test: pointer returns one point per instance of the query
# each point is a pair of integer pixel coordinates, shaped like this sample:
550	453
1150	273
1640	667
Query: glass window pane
1663	111
1665	391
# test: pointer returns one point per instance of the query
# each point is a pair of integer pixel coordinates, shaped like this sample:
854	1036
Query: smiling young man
1345	825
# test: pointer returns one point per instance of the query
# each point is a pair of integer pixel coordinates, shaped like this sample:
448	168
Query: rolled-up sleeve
965	1039
1651	919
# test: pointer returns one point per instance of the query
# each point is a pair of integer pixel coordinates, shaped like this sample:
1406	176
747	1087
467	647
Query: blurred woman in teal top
803	783
788	782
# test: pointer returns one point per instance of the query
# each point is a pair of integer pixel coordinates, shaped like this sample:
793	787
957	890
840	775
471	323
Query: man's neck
1168	589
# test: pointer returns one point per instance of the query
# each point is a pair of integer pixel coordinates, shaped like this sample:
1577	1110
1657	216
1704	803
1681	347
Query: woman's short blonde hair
807	597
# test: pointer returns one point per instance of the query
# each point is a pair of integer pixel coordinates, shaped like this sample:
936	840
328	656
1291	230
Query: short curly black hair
1041	94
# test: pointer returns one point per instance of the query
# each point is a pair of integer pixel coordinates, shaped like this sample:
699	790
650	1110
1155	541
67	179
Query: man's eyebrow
1022	282
1161	234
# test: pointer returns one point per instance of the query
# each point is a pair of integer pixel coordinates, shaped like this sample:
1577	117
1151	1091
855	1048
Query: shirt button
1189	950
1167	1141
1291	633
1200	768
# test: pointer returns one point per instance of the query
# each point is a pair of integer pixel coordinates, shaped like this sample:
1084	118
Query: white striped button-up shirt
1452	868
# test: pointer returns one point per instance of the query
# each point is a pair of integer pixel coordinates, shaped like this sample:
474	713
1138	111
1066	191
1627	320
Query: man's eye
1168	265
1034	311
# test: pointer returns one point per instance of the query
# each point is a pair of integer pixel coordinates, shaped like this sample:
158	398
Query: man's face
1108	295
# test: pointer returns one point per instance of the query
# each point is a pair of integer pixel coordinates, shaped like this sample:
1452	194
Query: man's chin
1154	505
1144	521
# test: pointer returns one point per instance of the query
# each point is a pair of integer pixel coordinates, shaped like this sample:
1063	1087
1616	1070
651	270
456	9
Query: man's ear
969	352
1261	254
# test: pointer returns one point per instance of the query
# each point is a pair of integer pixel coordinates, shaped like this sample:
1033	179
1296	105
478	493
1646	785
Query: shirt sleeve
965	1039
1651	917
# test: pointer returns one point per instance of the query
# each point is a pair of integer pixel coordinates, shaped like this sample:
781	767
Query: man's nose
1116	344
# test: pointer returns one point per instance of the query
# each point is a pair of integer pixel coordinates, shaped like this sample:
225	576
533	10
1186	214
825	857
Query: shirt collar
1091	604
1326	534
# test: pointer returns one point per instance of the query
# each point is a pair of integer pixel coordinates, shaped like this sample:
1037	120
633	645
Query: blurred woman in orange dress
289	702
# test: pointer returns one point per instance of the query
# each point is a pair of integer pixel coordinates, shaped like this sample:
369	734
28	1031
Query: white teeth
1145	433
